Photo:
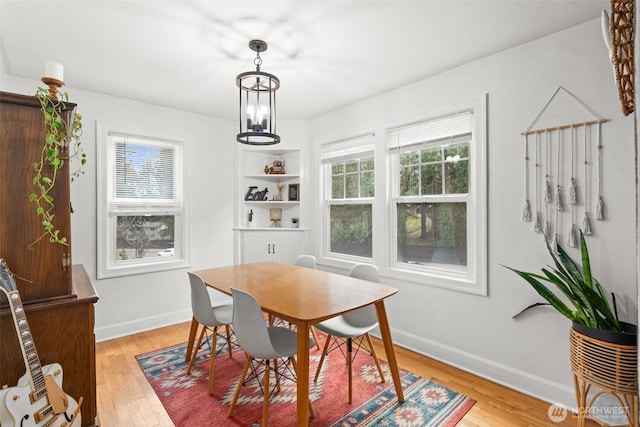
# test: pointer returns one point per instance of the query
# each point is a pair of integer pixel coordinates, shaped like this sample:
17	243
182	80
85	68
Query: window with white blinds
448	128
360	146
349	189
438	199
140	203
144	169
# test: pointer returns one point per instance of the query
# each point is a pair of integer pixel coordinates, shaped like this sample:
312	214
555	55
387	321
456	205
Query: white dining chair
352	326
261	343
211	317
308	261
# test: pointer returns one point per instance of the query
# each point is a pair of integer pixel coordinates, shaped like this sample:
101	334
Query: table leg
385	332
303	374
192	338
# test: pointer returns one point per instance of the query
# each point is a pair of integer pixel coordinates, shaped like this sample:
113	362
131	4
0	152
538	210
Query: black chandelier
258	102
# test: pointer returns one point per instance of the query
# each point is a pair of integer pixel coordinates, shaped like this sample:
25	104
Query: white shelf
271	229
253	163
273	176
271	202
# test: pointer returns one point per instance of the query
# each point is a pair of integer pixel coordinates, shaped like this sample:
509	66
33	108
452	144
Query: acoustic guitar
38	399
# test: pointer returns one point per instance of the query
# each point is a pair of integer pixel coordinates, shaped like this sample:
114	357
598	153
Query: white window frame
358	147
471	279
109	207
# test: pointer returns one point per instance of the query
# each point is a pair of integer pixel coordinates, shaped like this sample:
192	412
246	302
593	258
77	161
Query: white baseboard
141	325
522	381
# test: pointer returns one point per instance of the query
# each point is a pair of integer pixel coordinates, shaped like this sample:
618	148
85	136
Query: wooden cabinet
45	268
266	245
62	331
58	299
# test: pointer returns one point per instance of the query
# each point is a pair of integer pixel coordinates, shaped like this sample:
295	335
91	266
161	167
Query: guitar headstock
7	283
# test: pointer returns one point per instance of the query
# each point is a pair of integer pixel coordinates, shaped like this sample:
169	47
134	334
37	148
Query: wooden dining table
304	296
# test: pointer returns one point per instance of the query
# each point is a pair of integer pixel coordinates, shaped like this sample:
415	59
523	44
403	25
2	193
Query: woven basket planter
611	368
622	41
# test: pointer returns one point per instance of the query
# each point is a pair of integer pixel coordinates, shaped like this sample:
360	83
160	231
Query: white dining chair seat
340	327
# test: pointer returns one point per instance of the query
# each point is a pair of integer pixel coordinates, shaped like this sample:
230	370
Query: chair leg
265	406
229	341
349	360
242	378
213	358
195	351
315	337
375	357
277	374
324	353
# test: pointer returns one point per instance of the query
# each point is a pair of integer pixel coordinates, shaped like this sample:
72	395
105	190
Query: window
349	192
438	190
140	204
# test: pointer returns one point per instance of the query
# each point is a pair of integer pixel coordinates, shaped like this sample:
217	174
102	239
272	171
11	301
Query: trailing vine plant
61	137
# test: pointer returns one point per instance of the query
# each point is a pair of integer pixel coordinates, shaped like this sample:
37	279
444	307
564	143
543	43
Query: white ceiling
327	53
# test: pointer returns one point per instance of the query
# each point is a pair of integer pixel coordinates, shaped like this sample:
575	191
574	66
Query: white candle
54	70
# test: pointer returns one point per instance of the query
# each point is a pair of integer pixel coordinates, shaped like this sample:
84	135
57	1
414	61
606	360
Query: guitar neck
29	353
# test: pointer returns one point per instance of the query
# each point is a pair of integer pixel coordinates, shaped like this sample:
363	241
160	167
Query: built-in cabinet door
267	245
256	246
286	246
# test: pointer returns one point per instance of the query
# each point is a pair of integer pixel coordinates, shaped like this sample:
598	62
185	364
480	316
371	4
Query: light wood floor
125	398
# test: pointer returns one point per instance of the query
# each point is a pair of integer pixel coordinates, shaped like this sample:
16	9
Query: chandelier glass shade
257	113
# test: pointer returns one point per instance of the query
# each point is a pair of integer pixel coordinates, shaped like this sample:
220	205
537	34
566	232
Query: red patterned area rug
188	404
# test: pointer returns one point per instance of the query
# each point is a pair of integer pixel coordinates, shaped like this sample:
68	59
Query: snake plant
590	304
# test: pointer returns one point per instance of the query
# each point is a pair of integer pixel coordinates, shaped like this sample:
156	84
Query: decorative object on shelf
275	215
250	217
295	222
554	159
280	188
257	196
294	192
257	102
618	33
277	168
61	142
267	169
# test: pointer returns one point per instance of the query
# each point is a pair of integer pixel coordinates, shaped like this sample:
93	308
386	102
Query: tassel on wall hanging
526	212
555	161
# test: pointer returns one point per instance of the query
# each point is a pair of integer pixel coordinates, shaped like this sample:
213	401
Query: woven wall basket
610	368
622	39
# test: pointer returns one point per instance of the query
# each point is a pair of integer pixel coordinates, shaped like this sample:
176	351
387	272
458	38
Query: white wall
135	303
476	332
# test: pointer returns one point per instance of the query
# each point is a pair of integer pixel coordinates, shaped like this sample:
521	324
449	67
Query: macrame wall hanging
567	173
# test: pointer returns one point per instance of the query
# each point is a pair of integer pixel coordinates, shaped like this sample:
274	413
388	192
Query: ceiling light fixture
257	102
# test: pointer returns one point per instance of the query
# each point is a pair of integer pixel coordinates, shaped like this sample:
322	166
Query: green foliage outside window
422	172
351	224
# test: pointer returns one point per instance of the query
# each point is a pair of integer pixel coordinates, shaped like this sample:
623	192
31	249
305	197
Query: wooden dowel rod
592	122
